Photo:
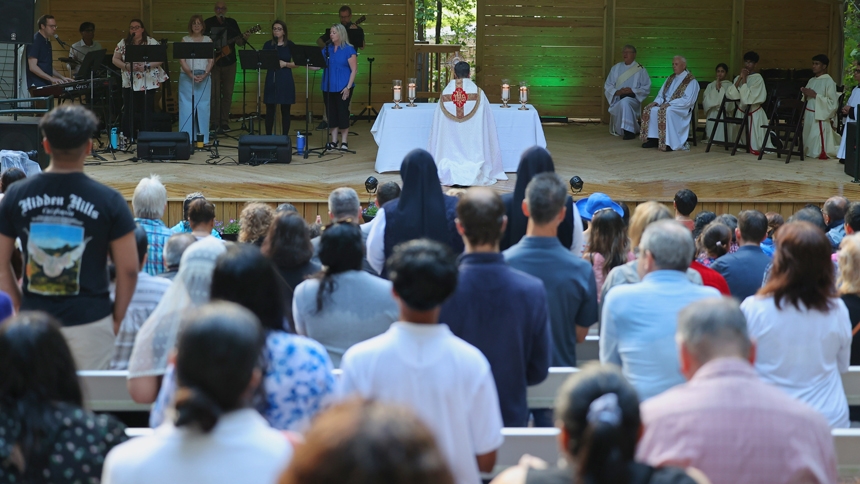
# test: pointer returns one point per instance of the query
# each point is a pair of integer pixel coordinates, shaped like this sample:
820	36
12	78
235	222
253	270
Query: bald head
712	328
834	209
481	217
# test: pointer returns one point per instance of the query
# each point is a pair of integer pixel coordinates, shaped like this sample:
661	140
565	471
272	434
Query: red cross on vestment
459	98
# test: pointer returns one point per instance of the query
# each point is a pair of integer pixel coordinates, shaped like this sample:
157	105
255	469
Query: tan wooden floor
619	168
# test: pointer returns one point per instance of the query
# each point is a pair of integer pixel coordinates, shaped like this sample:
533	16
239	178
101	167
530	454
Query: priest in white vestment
820	140
666	121
748	87
850	113
712	98
463	138
625	88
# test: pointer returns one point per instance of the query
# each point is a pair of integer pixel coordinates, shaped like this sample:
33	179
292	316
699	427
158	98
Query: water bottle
199	141
114	139
300	142
122	146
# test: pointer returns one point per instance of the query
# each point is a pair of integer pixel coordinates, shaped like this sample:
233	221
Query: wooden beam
480	39
737	42
837	42
608	50
409	32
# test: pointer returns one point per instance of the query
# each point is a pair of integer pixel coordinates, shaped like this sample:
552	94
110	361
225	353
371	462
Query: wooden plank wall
555	45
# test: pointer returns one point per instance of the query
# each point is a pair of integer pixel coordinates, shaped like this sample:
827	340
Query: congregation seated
201	219
700	423
185	225
597	411
608	244
533	161
647	311
172	255
148	202
344	206
712	98
666	121
820	140
745	269
463	137
147	294
749	88
801	328
812	214
385	193
420	364
343	305
404	449
833	212
215	437
684	203
701	221
288	246
254	222
731	222
45	433
498	309
774	222
422	210
626	86
713	243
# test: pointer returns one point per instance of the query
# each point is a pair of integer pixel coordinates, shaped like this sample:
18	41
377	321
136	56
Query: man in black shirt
68	223
345	20
226	34
40	58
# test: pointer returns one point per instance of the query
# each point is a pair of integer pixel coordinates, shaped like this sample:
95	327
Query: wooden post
737	42
480	22
409	31
608	51
837	42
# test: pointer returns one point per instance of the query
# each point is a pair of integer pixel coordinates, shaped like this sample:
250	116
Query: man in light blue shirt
639	321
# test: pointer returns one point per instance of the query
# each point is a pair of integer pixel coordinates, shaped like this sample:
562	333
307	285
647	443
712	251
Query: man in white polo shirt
420	364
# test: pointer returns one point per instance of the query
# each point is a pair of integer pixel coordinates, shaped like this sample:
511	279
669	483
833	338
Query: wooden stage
607	164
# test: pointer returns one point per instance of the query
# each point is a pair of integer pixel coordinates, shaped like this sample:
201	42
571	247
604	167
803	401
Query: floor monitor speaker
261	149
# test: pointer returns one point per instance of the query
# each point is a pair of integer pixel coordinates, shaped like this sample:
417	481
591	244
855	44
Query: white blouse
146	80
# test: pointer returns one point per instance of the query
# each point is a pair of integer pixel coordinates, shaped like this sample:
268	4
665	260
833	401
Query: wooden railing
432	70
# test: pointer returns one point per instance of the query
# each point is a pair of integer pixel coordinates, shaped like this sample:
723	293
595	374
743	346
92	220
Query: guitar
225	51
168	102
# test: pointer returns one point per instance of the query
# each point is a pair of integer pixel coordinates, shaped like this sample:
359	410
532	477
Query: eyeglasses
51	26
135	28
277	29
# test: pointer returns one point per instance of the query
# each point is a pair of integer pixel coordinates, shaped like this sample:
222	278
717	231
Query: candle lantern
506	92
398	84
524	95
410	87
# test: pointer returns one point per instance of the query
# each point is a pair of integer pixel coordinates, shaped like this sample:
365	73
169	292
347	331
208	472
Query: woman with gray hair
149	201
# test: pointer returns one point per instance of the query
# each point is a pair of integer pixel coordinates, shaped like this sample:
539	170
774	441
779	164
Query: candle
506	91
397	93
411	90
524	94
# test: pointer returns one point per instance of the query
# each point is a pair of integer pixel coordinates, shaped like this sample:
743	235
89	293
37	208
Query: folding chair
724	119
786	123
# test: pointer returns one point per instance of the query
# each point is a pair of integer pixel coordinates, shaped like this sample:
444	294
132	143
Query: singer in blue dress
280	88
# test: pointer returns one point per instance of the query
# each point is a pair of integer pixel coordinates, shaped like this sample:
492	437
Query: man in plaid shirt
149	202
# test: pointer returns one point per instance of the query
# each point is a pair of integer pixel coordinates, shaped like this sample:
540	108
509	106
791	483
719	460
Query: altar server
820	140
711	100
749	88
666	121
850	113
626	87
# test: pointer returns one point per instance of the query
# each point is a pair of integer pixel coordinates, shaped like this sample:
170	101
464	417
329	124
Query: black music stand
92	62
309	56
145	54
258	60
192	51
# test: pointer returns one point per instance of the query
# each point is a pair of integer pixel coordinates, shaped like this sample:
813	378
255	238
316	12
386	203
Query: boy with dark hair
744	270
68	224
420	364
685	202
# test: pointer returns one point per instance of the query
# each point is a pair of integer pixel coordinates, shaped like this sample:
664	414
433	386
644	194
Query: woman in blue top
280	88
337	83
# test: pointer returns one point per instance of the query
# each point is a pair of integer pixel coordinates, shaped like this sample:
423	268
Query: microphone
60	41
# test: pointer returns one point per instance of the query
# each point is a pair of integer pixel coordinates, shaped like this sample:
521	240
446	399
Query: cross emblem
459	98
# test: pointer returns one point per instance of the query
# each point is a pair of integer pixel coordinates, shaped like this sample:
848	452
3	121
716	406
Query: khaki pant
223	80
92	344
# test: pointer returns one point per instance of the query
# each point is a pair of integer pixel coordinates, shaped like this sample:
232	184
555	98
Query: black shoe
669	149
322	125
775	141
225	128
344	147
628	135
651	143
841	161
330	146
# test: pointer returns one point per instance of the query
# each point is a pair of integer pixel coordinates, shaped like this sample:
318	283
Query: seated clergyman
626	87
666	121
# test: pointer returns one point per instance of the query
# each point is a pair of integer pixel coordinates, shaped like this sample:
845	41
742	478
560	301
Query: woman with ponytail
343	305
216	436
597	411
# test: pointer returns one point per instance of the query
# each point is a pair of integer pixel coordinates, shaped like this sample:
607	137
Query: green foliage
425	15
458	20
852	39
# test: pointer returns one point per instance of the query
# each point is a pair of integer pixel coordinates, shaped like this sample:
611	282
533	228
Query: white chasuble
463	138
624	112
752	93
853	102
820	140
669	120
711	100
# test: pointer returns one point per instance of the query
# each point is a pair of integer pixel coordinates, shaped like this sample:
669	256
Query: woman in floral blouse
45	435
138	79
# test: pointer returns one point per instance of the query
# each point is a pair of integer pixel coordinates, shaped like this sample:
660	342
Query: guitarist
224	72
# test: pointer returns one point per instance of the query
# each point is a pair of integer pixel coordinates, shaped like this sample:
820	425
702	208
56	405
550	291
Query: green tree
852	38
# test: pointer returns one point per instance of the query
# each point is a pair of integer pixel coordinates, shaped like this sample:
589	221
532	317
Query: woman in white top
801	327
711	100
216	436
138	79
195	80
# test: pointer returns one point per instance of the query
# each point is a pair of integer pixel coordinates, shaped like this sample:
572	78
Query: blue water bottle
300	143
114	141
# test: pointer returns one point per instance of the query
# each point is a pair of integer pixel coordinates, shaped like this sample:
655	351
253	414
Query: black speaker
16	21
22	135
163	146
851	150
261	149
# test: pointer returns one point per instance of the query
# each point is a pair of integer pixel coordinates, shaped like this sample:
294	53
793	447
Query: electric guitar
225	51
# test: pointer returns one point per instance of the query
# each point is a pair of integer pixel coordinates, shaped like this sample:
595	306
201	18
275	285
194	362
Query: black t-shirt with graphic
66	222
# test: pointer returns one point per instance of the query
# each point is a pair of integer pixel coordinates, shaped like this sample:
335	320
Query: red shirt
711	278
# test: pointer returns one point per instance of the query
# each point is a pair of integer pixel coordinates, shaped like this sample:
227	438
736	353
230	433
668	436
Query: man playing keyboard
40	58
